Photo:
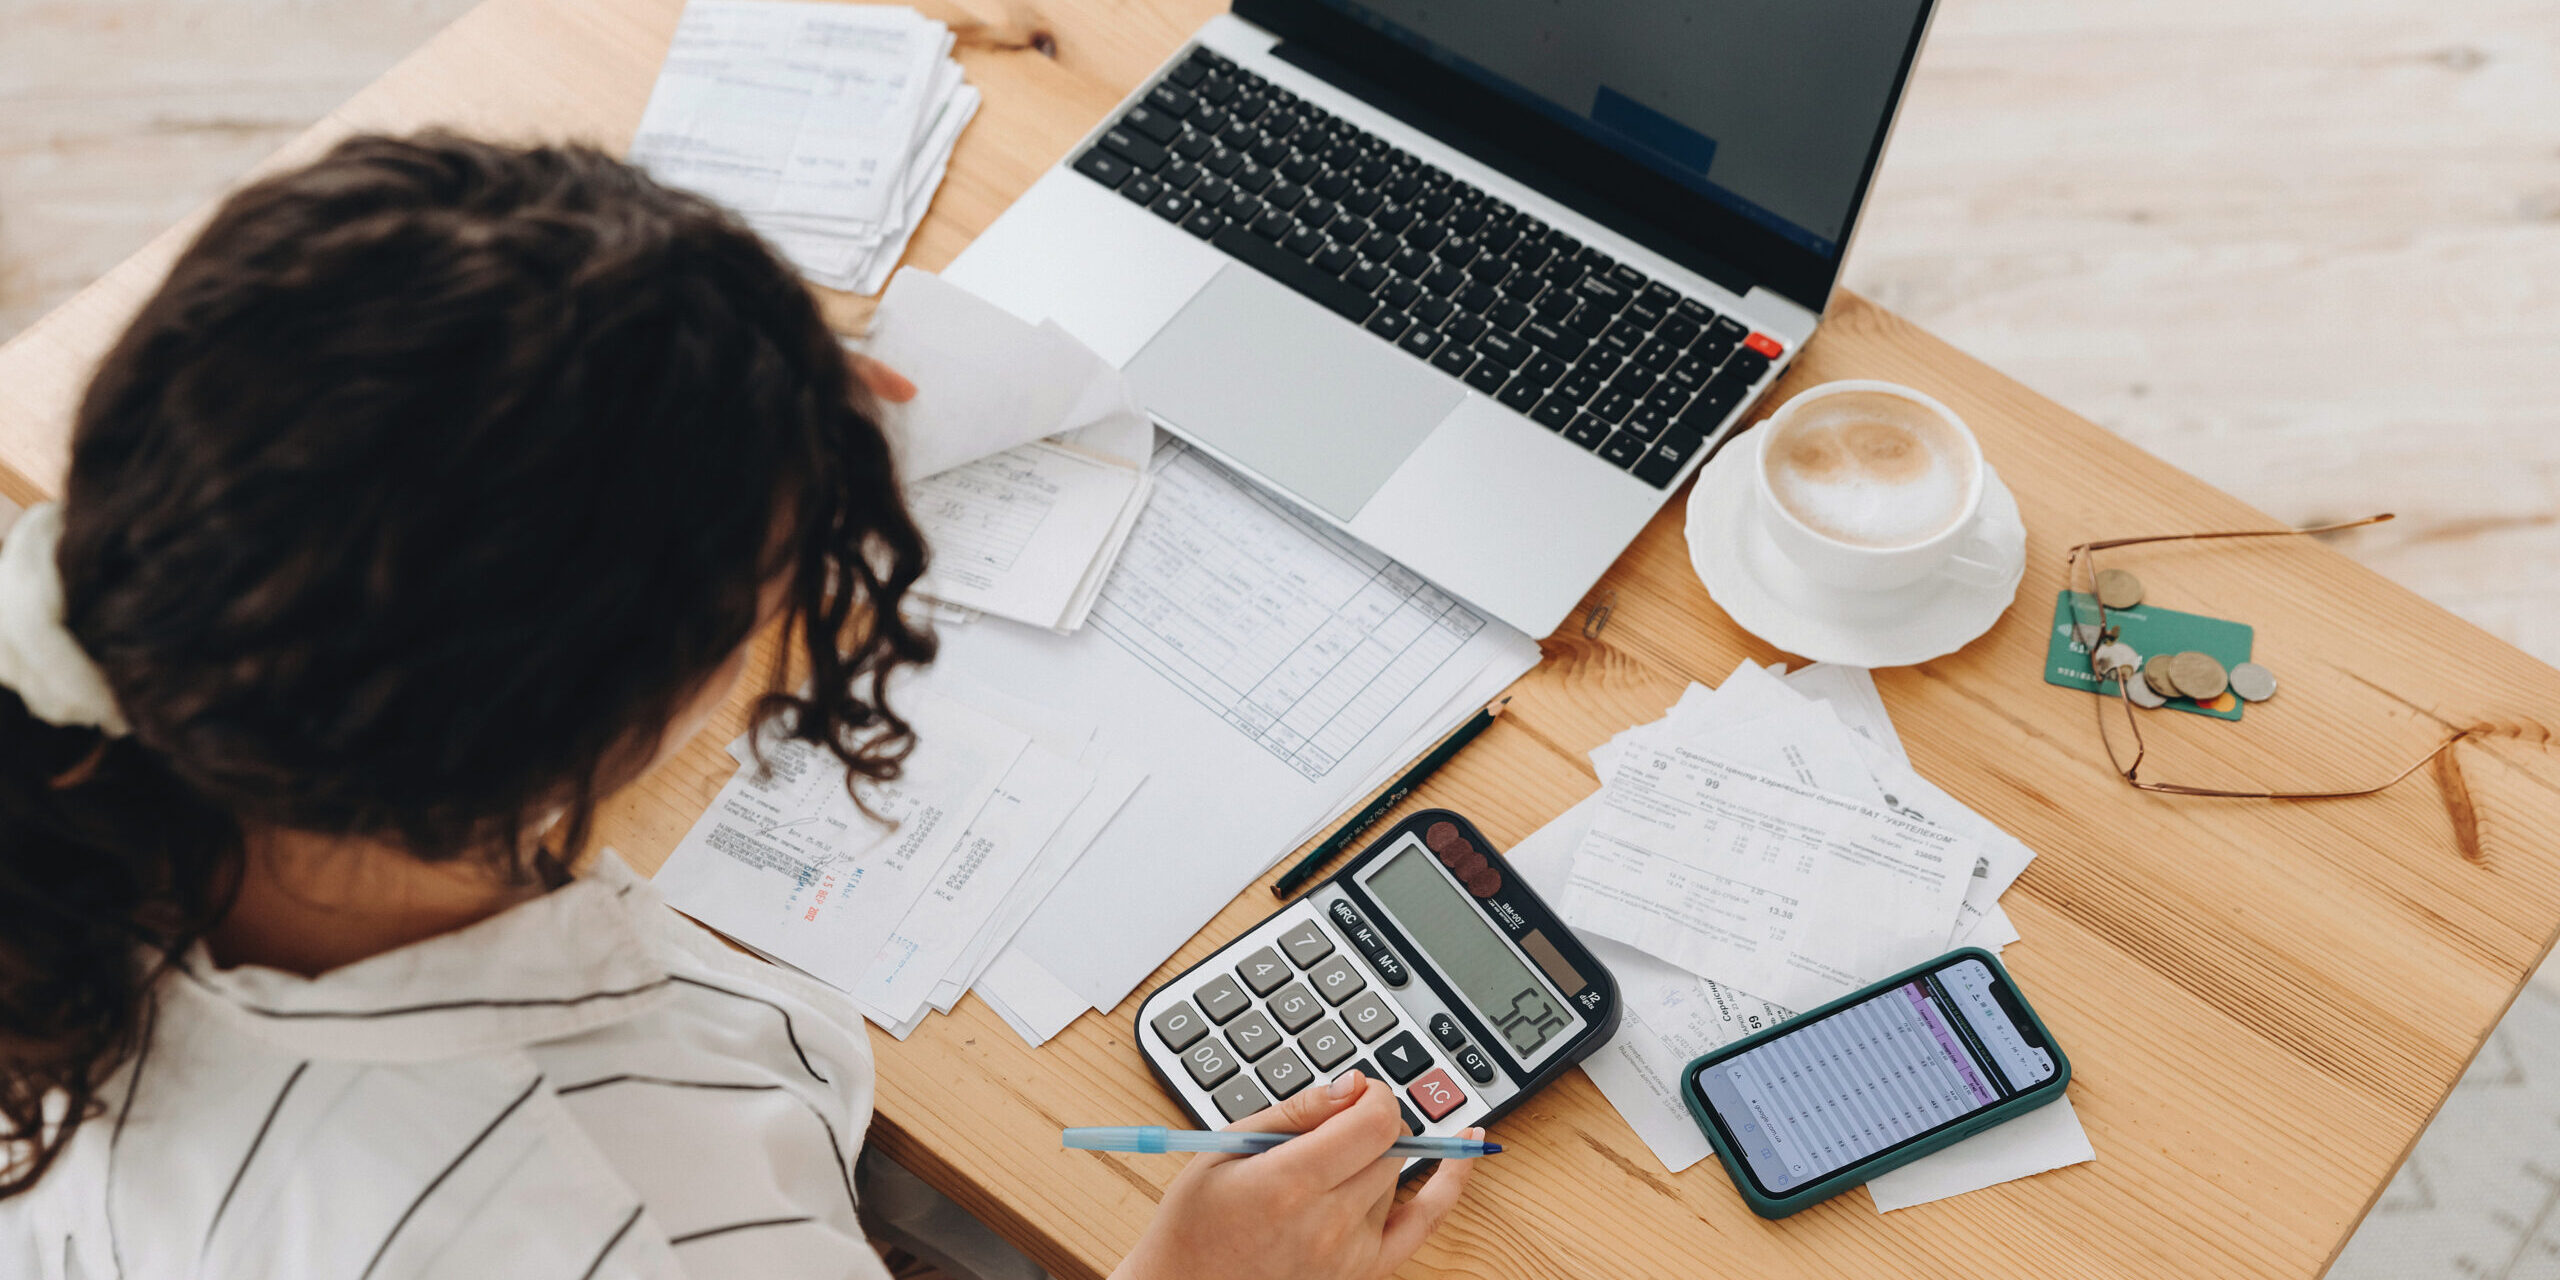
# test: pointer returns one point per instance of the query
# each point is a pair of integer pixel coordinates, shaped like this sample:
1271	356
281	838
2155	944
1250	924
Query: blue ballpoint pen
1153	1139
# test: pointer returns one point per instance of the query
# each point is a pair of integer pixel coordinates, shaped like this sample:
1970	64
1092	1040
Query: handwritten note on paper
789	865
1796	895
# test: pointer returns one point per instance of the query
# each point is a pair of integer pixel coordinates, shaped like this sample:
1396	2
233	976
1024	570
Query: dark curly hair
433	484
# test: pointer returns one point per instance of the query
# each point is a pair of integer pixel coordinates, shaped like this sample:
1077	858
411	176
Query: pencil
1414	777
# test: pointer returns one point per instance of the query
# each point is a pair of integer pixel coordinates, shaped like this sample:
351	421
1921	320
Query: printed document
1793	893
788	864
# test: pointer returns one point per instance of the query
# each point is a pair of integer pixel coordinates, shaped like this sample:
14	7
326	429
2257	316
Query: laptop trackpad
1290	390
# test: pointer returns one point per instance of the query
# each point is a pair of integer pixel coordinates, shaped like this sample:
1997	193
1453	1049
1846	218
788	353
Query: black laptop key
1746	364
1219	89
1628	278
1434	311
1316	211
1579	386
1590	322
1284	194
1623	449
1422	340
1601	361
1104	167
1241	207
1550	338
1678	330
1657	355
1400	293
1426	236
1458	251
1252	177
1271	260
1172	100
1378	246
1507	314
1390	324
1299	167
1302	240
1154	125
1272	225
1364	201
1331	184
1403	186
1366	277
1656	468
1708	411
1203	222
1633	383
1213	191
1409	261
1134	147
1335	258
1543	369
1210	58
1269	151
1193	145
1501	237
1173	206
1488	375
1647	422
1466	328
1613	407
1587	431
1222	160
1521	394
1490	268
1503	349
1533	254
1394	217
1190	72
1600	293
1555	412
1476	296
1142	189
1179	174
1454	359
1640	310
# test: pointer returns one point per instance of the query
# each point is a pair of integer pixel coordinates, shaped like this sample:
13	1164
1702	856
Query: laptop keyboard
1584	345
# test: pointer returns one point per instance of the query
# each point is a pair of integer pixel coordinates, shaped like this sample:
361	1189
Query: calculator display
1445	923
1876	1075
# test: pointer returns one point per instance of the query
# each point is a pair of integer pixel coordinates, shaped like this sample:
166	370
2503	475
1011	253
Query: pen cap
1145	1139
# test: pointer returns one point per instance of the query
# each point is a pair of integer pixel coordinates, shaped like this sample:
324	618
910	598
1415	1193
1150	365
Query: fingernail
1343	1086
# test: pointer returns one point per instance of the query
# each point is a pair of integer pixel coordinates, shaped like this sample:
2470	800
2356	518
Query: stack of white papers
904	906
1267	672
1792	794
1024	455
827	126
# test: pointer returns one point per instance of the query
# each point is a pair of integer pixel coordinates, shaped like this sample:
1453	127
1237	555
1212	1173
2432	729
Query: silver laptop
1478	283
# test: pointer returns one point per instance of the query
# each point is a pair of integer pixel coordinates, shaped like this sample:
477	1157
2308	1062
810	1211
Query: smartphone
1873	1081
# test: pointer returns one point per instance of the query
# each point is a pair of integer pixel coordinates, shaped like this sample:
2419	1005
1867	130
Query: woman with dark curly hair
434	497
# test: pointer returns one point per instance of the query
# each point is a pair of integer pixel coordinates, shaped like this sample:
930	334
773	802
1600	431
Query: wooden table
2265	1001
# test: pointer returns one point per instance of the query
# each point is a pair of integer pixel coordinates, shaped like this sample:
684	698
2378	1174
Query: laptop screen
1769	109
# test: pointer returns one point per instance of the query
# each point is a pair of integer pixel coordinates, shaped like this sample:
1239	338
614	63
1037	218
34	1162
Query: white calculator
1425	962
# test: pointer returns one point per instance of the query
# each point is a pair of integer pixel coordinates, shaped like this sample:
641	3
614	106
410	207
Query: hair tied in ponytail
39	659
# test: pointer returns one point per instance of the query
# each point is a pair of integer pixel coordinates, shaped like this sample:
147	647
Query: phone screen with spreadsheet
1864	1080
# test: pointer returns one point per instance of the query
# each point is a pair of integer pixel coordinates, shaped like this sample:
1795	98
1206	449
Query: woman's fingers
1410	1223
883	381
1352	1135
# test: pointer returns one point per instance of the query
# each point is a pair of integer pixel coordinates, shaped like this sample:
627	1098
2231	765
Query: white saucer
1764	592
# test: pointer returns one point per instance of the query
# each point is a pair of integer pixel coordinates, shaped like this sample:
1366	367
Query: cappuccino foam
1870	469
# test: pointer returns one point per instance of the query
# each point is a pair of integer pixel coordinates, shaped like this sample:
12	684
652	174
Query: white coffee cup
1872	486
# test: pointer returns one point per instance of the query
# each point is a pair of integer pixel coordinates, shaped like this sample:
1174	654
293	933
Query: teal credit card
2150	630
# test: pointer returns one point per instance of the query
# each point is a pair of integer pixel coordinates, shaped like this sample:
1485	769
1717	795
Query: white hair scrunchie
39	661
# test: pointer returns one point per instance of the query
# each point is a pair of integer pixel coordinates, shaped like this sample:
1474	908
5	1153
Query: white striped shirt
583	1086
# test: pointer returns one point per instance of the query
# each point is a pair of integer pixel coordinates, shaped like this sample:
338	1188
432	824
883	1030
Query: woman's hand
1320	1208
882	381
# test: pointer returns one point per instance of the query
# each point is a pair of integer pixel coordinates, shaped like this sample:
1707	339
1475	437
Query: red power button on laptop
1765	345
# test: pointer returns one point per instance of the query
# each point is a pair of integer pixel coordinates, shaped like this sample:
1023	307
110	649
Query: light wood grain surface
2264	1002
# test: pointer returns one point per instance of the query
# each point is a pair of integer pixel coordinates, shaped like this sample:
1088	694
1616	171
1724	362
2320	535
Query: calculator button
1368	1016
1381	957
1209	1062
1180	1025
1222	999
1478	1067
1346	915
1436	1094
1284	1073
1239	1099
1263	971
1412	1122
1306	944
1327	1045
1295	1007
1404	1058
1445	1030
1253	1035
1335	980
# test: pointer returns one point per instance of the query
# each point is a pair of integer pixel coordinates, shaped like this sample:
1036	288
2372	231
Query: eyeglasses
2084	600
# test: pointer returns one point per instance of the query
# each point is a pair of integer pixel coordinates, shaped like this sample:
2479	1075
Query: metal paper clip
1594	621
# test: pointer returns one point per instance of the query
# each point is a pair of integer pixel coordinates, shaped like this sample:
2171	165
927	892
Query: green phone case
1768	1206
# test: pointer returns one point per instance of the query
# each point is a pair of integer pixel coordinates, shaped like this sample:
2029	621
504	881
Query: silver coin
2117	657
2144	695
2252	682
